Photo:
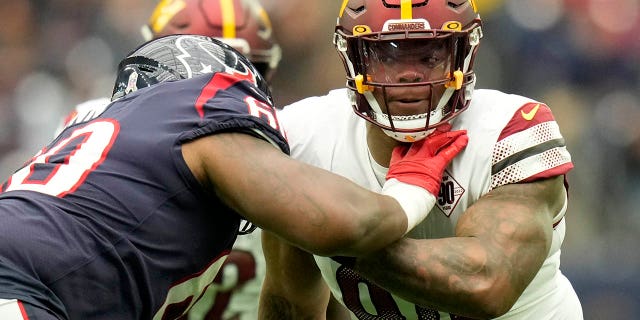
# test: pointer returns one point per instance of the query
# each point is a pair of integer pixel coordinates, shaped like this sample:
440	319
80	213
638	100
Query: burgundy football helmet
409	63
243	24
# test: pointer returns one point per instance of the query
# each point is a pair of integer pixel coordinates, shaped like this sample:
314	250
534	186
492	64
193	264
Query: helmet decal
452	25
406	25
206	46
177	57
360	30
132	83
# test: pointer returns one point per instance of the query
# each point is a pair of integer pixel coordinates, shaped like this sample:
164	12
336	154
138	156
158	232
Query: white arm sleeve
415	201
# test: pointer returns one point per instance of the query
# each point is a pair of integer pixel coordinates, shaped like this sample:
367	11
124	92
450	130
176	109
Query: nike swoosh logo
529	115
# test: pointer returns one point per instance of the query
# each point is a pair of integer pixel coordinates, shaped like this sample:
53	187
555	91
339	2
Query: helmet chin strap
408	122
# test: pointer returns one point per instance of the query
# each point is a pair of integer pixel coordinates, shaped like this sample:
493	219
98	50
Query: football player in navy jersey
130	212
245	26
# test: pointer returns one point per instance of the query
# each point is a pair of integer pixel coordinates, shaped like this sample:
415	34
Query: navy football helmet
177	57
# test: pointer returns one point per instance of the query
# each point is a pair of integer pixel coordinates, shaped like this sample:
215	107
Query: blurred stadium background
582	57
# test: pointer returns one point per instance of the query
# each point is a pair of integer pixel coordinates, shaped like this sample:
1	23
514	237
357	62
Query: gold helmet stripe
163	13
265	18
474	5
228	19
406	12
343	7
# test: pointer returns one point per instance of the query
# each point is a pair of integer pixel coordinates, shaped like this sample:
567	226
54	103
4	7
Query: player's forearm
293	287
394	213
455	275
501	242
323	213
341	222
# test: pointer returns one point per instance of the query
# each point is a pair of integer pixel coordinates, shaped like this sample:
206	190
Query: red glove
422	163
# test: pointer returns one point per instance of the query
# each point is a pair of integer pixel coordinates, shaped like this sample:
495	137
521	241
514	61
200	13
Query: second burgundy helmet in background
242	24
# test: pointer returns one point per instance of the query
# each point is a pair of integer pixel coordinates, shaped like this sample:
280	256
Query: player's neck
380	145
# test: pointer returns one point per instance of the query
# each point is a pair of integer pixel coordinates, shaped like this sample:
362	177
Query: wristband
416	202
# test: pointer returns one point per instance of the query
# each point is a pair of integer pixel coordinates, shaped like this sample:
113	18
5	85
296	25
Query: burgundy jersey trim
529	115
529	148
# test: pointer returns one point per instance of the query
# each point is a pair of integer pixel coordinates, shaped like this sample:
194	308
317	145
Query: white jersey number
85	149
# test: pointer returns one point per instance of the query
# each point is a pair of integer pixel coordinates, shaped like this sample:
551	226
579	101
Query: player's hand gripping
418	167
422	163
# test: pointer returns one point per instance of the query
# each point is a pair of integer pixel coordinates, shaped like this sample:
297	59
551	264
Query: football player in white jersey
244	25
490	246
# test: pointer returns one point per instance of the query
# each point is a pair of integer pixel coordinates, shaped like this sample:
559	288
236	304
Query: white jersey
235	292
511	139
82	112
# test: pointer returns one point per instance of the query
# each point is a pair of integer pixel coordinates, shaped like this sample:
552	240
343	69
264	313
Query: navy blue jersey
107	222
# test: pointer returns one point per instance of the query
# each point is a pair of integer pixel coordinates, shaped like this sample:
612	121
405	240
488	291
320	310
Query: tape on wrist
415	201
